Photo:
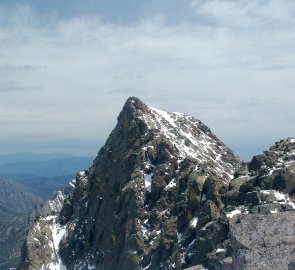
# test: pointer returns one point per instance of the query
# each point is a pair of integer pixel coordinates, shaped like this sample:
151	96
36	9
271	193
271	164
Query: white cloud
232	67
243	14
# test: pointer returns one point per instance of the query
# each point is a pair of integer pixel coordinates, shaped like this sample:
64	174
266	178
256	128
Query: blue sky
67	67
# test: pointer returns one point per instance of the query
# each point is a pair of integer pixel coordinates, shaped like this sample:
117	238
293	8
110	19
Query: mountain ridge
159	195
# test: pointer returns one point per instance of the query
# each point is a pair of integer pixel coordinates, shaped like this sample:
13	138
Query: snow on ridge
190	138
73	183
57	231
57	234
280	197
57	202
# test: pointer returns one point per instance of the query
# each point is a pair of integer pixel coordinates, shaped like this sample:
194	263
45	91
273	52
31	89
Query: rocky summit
165	193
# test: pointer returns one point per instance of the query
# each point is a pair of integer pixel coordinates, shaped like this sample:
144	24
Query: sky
67	68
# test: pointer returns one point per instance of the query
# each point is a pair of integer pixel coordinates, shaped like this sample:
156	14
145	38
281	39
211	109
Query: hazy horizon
66	70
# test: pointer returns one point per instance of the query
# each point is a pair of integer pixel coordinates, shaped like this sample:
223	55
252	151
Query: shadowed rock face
159	195
138	205
144	189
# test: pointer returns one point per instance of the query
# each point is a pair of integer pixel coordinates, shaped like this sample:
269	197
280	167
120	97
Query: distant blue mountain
26	156
46	165
26	179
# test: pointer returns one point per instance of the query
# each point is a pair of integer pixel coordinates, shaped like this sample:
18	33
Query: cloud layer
229	63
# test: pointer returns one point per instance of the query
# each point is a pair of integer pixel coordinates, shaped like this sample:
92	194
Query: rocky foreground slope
165	193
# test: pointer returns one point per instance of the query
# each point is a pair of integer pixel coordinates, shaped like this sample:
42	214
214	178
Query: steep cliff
159	195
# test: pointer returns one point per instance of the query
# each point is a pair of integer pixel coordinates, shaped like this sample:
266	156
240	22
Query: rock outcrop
160	195
264	241
260	210
42	241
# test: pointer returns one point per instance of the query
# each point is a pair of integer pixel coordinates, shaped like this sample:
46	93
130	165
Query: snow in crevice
148	177
179	236
193	223
147	267
233	213
171	184
146	229
56	203
220	250
148	181
57	233
73	183
191	243
237	211
182	258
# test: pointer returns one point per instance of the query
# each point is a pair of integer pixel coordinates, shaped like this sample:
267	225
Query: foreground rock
264	242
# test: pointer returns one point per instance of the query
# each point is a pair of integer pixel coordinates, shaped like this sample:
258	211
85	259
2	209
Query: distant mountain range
26	156
16	198
47	165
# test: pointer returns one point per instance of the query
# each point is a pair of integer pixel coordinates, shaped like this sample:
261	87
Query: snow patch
146	229
233	213
148	177
171	184
194	222
147	267
280	197
57	234
179	236
57	202
73	183
148	181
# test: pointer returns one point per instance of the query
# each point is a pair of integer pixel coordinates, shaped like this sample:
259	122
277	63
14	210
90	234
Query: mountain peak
134	100
159	196
186	135
134	104
127	206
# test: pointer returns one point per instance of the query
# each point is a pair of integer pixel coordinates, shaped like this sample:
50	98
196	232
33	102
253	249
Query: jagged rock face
41	246
272	170
260	211
160	196
143	191
137	207
276	167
